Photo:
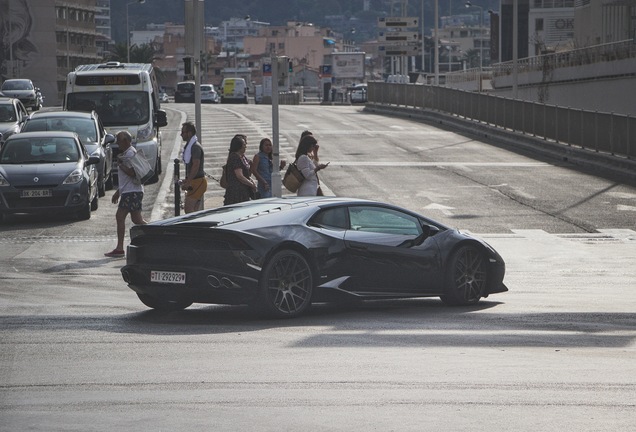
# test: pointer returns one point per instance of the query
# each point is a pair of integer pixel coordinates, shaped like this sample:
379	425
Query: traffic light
291	67
284	70
187	65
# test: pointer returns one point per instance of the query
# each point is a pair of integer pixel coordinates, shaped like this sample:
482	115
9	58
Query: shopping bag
293	178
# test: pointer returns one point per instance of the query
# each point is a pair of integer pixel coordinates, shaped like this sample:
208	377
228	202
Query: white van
233	90
111	89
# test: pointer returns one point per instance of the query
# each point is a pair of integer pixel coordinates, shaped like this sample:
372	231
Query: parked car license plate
35	193
167	277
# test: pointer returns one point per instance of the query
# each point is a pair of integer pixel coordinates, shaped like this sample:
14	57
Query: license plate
35	193
167	277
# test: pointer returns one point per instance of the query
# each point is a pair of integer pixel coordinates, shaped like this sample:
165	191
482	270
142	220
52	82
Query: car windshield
17	85
83	127
206	88
7	113
120	108
39	150
185	87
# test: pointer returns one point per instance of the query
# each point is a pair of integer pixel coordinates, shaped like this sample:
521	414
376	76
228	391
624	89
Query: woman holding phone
305	154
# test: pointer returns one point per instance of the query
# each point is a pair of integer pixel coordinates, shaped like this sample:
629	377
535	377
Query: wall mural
15	29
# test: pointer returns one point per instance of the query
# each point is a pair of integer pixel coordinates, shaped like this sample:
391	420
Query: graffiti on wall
16	49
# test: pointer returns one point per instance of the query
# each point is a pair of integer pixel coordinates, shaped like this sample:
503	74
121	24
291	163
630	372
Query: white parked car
209	94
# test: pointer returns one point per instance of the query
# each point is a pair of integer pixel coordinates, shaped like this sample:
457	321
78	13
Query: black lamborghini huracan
283	254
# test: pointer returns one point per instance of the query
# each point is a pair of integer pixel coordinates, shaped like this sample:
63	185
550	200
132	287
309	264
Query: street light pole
481	26
128	28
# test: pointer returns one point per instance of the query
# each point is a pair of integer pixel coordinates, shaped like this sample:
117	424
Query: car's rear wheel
286	285
163	304
466	277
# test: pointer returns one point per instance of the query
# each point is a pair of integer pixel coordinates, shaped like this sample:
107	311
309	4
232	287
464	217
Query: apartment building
45	49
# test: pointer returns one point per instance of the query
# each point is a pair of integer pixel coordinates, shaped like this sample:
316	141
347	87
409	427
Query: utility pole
194	11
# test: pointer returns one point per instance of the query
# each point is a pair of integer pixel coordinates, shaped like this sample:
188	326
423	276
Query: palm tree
471	57
119	53
144	53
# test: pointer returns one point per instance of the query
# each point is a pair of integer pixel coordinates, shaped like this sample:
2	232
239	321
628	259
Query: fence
610	133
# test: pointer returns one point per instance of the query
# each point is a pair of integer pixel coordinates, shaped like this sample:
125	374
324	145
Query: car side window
383	220
332	218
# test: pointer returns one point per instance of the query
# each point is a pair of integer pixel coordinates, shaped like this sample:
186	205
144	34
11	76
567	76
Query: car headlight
74	177
145	133
3	181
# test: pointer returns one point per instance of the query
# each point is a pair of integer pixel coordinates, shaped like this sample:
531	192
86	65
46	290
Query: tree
144	53
471	57
119	53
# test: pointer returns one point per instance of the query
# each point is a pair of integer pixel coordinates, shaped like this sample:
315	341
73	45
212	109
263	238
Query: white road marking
440	164
625	208
444	209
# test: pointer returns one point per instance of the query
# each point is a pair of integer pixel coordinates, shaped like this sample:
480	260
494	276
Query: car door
22	113
384	254
106	145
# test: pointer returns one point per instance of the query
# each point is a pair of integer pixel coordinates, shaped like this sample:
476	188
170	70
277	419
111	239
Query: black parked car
47	172
184	92
282	254
91	132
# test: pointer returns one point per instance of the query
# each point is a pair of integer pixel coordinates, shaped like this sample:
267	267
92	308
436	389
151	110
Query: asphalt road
557	352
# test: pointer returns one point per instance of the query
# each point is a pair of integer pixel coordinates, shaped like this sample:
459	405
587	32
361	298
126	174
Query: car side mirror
161	119
109	139
92	160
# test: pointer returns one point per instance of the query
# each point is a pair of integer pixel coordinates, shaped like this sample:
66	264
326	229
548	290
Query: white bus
126	97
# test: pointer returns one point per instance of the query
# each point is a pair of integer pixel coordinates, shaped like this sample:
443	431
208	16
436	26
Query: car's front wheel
286	285
466	277
155	176
95	203
101	187
163	304
108	181
85	212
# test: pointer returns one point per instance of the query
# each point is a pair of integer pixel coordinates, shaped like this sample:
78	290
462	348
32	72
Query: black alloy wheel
466	277
286	285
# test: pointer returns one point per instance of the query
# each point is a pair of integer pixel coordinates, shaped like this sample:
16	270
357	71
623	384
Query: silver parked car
24	90
12	116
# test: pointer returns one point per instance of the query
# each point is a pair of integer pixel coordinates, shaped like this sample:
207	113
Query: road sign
398	50
399	22
399	36
325	71
267	69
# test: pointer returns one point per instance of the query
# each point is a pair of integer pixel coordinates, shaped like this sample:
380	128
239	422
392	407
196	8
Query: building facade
45	49
604	21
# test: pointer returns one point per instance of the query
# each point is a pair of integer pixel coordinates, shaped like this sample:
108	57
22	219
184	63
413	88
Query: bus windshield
115	108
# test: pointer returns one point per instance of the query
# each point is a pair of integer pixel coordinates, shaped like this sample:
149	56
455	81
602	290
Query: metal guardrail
610	133
572	58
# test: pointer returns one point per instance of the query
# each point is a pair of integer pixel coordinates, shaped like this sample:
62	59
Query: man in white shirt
129	193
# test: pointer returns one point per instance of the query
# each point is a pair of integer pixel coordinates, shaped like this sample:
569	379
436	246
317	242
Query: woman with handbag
305	154
239	185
